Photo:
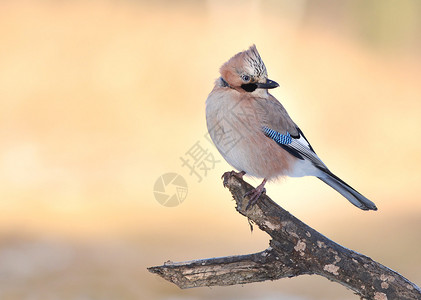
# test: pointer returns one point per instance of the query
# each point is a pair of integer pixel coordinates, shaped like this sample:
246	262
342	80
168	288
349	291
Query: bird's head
246	72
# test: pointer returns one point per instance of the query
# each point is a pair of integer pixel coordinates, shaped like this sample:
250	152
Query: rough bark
295	249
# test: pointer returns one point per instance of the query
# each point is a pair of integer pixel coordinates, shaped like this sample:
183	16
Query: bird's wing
296	146
278	126
273	115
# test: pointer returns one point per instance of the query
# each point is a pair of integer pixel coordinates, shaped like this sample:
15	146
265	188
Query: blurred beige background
100	98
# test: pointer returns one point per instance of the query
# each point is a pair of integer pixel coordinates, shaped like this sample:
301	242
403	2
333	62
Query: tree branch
295	249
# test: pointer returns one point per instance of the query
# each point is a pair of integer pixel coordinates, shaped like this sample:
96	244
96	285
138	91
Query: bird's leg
227	175
255	194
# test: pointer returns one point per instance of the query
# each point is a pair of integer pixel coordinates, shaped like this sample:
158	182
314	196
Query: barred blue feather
278	137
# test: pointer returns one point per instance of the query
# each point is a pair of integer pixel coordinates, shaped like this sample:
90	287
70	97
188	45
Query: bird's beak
269	84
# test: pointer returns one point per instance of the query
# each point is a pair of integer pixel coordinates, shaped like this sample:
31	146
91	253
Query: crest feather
254	62
248	61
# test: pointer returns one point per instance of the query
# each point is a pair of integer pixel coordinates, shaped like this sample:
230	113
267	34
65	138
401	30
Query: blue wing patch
277	137
295	147
283	140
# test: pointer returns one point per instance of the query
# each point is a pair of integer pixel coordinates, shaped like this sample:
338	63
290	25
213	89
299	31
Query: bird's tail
348	192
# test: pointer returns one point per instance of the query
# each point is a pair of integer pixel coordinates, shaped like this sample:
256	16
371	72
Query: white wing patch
302	140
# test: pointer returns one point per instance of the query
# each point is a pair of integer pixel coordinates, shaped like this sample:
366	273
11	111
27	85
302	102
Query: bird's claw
227	175
254	196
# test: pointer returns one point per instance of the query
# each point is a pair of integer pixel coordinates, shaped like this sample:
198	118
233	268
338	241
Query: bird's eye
245	78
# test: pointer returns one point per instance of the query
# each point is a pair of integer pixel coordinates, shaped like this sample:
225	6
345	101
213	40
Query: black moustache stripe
249	87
